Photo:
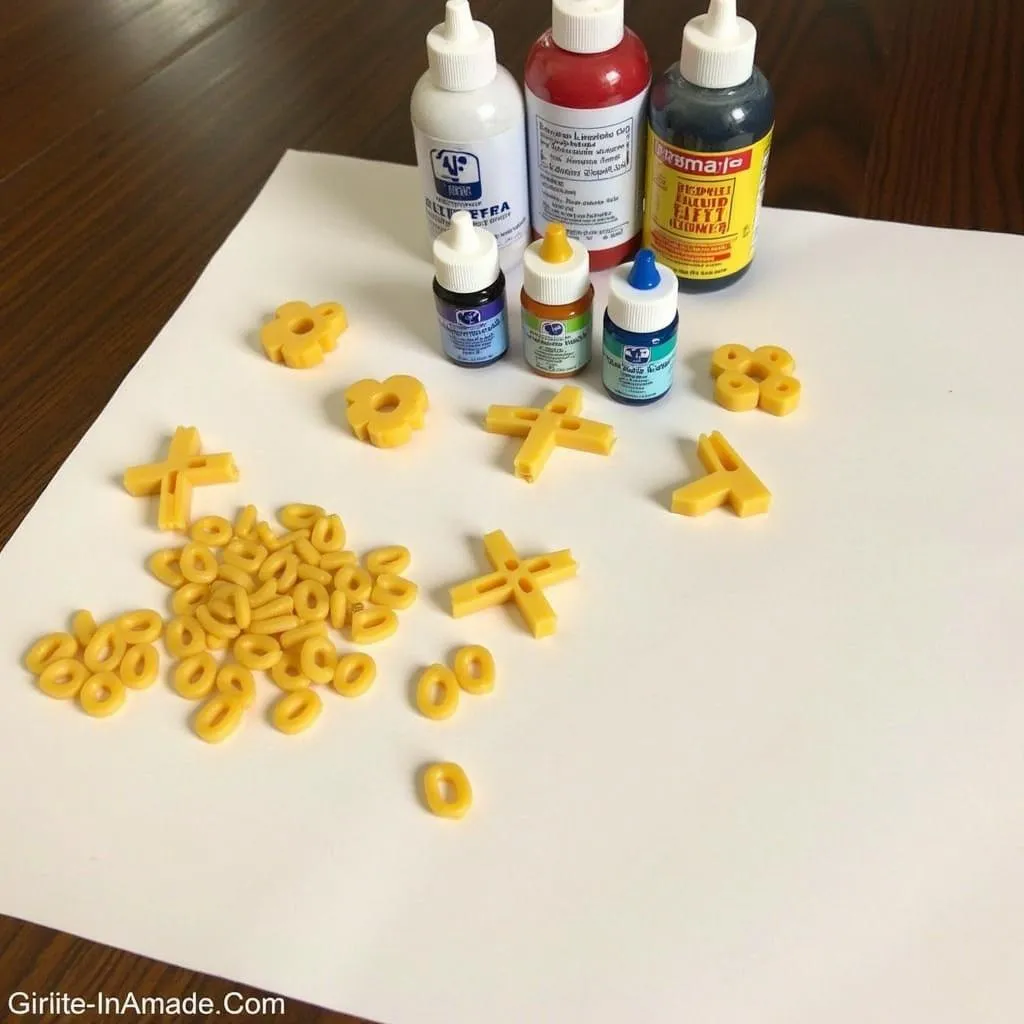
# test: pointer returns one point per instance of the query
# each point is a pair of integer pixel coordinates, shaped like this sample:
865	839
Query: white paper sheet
768	770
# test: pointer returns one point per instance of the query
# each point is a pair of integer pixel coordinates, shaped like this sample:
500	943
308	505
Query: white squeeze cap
460	53
466	257
556	268
588	26
718	48
643	296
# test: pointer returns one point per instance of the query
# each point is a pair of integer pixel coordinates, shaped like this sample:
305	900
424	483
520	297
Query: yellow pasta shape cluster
247	597
97	664
268	597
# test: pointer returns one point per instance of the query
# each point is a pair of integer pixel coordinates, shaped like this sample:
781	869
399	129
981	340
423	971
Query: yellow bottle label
702	208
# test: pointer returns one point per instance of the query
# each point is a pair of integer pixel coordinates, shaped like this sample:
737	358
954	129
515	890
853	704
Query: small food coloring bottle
470	130
469	292
587	80
710	132
558	305
640	328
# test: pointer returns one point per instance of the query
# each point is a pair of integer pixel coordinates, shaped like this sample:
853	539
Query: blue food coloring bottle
641	325
469	293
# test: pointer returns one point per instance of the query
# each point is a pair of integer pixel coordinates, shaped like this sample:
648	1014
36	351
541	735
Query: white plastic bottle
469	122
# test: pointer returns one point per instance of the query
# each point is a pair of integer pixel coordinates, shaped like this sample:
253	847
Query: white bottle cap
718	48
643	296
460	53
588	26
466	257
556	269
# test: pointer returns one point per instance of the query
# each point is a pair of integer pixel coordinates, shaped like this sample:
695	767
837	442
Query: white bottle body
471	154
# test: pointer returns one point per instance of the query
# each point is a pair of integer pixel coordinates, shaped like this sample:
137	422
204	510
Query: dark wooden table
134	134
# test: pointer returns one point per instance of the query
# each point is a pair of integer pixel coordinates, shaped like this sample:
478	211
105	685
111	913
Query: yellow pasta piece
474	669
311	600
262	594
447	790
258	653
184	467
188	597
165	565
275	625
394	559
217	643
83	625
283	605
354	583
105	650
245	521
306	552
328	534
282	567
101	694
213	531
217	718
516	579
266	536
215	626
62	679
232	574
139	666
295	712
371	625
242	608
141	627
316	574
298	516
393	591
236	681
184	637
437	692
48	649
247	555
338	609
318	659
332	561
198	563
354	674
300	634
194	676
288	674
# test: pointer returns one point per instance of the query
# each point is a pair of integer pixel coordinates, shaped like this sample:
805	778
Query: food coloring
710	132
469	124
640	328
558	305
469	292
587	80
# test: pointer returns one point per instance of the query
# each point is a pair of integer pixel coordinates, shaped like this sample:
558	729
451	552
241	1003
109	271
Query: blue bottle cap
644	276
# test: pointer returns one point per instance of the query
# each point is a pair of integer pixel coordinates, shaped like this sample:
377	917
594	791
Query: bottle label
486	177
557	346
638	367
703	208
586	169
473	335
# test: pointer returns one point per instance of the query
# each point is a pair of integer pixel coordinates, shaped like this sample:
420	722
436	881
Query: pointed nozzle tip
458	19
556	247
462	232
644	274
721	18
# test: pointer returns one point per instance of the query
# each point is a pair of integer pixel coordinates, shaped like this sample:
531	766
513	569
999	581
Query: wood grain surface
134	134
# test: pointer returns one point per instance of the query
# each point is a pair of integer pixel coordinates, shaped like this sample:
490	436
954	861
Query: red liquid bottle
587	80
